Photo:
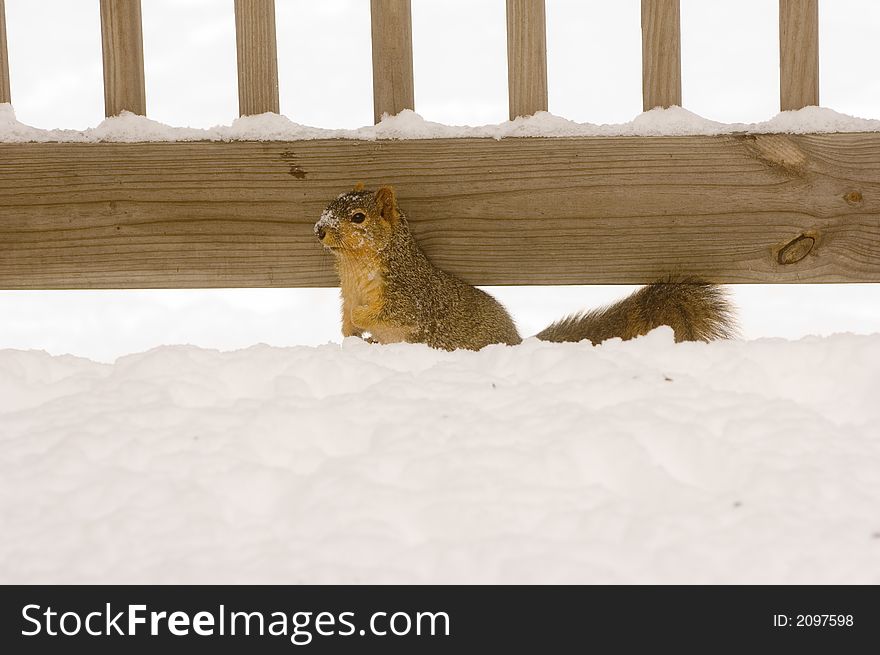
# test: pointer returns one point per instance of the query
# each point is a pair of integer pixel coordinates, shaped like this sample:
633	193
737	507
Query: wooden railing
732	208
391	31
661	54
5	95
798	53
526	58
257	56
123	50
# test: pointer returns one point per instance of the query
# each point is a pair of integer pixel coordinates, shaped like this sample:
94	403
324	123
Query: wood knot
777	151
796	249
295	169
853	197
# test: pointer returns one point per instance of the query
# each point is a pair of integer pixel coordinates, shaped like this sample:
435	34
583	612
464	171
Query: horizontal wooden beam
738	208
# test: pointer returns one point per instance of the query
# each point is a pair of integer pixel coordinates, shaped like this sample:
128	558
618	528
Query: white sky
729	73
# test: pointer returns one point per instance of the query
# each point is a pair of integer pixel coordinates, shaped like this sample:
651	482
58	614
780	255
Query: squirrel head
360	222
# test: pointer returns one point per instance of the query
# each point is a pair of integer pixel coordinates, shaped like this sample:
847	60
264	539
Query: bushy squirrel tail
694	309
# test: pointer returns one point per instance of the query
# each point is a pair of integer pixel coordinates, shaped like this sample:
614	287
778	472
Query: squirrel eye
358	218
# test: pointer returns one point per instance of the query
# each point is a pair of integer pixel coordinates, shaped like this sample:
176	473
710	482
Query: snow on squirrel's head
360	222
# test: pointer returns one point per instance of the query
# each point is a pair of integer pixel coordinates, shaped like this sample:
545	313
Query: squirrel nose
321	233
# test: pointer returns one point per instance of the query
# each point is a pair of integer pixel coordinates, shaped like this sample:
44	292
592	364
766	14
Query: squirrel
391	290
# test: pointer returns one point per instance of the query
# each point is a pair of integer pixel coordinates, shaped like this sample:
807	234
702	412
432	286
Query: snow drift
641	461
673	121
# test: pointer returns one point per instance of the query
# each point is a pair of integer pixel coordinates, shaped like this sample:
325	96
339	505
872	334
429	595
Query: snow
328	218
673	121
641	461
104	324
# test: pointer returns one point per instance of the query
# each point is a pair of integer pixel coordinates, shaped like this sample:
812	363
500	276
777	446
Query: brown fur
392	291
695	310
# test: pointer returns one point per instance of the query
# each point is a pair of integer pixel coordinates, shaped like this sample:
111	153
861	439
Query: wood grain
5	93
256	46
391	30
661	53
526	57
750	208
123	49
798	53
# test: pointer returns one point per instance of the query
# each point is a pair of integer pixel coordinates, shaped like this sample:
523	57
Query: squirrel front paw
349	329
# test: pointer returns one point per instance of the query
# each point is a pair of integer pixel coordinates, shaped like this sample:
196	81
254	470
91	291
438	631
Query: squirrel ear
387	203
359	186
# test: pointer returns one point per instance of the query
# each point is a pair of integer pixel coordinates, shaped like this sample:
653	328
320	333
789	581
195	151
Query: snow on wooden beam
5	94
391	30
732	208
661	53
798	53
123	51
526	57
255	42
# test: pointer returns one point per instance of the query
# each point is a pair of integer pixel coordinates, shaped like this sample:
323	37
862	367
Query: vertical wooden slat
661	53
798	53
526	57
255	43
123	47
391	29
5	93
